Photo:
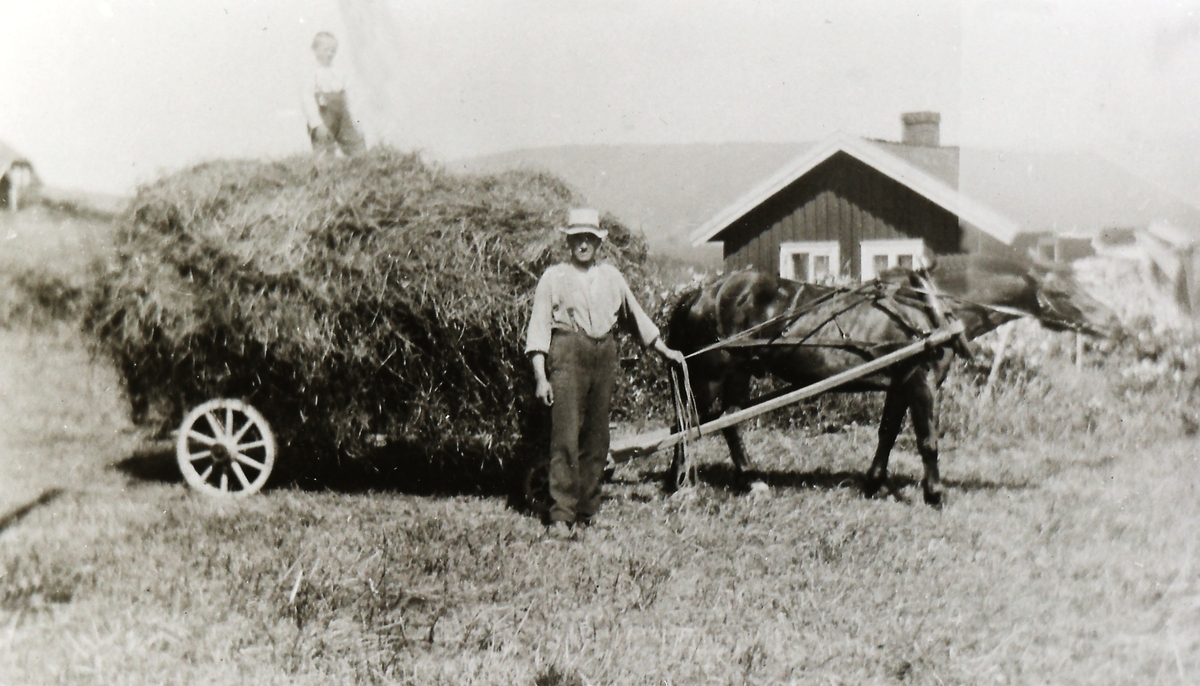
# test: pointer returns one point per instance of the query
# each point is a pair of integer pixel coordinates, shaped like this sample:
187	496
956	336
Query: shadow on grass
18	513
727	477
973	484
408	474
422	477
154	462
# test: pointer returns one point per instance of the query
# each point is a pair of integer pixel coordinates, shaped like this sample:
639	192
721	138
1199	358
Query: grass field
1066	555
1059	562
46	261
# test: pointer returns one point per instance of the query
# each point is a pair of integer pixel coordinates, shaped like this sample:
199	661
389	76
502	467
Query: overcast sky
105	94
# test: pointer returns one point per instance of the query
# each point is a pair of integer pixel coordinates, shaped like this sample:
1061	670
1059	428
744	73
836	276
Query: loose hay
381	299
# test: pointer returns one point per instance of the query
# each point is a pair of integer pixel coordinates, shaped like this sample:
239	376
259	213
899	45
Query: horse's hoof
760	489
675	480
872	485
935	498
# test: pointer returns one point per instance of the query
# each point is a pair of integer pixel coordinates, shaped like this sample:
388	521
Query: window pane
905	261
800	266
881	263
820	266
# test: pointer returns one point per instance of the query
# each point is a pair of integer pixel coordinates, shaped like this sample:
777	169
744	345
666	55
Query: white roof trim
967	210
1170	233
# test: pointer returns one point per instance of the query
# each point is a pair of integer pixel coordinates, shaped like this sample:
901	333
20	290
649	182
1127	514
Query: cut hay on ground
352	302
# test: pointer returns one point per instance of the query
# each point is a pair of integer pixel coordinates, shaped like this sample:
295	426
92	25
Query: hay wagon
353	303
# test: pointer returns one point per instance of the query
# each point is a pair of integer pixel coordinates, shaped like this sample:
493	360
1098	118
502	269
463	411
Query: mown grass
1067	553
48	258
1057	561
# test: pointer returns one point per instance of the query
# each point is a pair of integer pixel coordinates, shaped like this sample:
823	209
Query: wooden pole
645	444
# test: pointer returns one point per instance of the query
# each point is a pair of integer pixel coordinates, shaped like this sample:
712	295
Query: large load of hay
355	303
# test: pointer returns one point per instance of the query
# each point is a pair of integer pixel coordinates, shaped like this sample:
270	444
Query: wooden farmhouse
849	207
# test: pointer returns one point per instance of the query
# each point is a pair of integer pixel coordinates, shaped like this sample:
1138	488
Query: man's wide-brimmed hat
585	220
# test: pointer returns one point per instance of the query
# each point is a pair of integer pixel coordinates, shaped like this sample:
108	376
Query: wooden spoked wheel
225	448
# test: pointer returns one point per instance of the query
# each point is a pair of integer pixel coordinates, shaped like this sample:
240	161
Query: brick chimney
921	128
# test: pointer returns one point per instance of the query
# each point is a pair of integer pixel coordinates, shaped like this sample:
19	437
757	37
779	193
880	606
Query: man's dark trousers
582	373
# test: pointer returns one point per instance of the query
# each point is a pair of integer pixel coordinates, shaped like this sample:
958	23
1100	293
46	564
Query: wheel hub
221	454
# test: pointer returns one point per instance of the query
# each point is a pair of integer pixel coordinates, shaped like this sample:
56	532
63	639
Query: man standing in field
574	357
323	98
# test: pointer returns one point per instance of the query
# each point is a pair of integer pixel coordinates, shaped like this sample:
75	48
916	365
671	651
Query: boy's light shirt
586	301
321	80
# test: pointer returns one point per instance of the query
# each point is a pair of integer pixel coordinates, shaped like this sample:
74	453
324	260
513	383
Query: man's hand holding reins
671	354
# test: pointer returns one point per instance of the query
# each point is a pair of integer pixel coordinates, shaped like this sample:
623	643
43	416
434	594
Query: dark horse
981	291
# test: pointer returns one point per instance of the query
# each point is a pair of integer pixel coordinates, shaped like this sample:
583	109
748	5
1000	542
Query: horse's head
1063	305
1045	291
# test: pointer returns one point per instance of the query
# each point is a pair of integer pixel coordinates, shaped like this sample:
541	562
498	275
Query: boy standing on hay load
575	307
323	97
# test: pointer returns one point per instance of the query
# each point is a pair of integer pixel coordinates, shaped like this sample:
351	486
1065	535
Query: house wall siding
840	200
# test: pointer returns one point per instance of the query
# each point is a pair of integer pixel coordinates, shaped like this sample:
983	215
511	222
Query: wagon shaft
648	443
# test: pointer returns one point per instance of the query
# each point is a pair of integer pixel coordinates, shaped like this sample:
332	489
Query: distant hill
664	190
669	190
84	204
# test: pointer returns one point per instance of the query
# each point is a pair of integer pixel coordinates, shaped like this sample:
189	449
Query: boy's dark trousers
340	125
582	373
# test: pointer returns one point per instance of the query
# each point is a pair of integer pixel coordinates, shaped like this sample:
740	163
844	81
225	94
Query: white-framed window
809	260
878	256
1047	249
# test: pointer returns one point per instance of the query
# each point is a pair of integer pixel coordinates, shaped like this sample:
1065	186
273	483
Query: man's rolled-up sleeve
537	336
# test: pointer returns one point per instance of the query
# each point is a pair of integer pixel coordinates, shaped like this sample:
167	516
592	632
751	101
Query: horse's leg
894	407
925	425
736	395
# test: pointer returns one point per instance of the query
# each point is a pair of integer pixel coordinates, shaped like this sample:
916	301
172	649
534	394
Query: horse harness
896	300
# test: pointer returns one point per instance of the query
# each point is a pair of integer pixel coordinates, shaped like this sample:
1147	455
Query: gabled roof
1002	192
1173	235
920	181
10	157
940	162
